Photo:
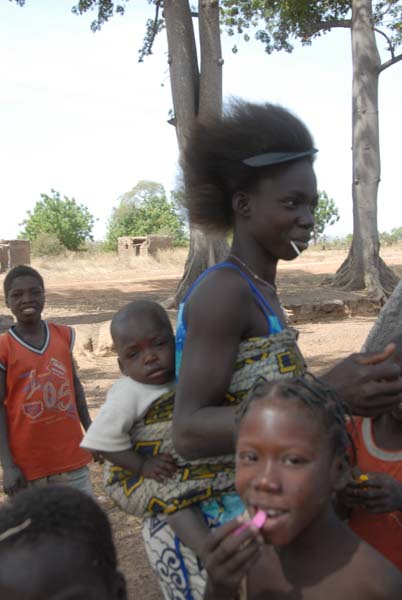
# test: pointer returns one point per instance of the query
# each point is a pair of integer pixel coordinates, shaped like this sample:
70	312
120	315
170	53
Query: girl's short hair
212	161
320	399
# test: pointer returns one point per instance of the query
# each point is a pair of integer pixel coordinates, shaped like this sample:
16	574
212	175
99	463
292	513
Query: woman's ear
241	204
340	473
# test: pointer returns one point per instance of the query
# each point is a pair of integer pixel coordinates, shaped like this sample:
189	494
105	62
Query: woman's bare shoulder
222	286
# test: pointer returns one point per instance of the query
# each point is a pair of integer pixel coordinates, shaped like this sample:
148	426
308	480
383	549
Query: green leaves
146	210
70	222
325	214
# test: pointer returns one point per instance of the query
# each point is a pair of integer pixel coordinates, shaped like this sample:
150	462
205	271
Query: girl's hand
381	493
159	467
13	480
228	557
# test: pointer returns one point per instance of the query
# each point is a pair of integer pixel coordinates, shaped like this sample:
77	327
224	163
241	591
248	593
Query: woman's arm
216	320
371	383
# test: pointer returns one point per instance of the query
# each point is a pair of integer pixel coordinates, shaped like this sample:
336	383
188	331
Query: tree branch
390	46
153	28
324	25
389	63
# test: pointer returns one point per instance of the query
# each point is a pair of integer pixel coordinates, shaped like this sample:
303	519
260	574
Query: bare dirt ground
84	293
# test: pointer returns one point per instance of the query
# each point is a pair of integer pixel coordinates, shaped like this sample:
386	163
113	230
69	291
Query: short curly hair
21	271
212	161
63	512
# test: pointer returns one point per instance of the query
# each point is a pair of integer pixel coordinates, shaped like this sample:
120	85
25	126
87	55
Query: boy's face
146	350
285	466
55	569
26	299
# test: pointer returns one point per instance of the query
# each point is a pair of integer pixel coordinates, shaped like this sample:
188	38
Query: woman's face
281	210
285	466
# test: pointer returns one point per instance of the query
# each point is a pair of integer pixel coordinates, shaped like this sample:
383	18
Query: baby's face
55	569
146	351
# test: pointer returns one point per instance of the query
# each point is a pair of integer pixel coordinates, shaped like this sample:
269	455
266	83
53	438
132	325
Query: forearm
82	407
6	457
126	459
209	431
214	593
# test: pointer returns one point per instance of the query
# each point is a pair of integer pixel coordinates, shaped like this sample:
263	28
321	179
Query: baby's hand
97	457
160	467
228	558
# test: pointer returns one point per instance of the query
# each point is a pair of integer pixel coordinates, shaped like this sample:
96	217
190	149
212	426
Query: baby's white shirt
126	402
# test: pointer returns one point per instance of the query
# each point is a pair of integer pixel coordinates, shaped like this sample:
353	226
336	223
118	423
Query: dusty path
87	297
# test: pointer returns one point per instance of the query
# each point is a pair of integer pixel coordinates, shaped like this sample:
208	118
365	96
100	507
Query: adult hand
381	493
228	558
159	467
370	382
13	480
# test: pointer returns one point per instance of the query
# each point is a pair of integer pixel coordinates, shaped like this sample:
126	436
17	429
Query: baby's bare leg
190	526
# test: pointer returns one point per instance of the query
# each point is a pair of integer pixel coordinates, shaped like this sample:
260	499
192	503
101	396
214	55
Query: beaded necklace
264	282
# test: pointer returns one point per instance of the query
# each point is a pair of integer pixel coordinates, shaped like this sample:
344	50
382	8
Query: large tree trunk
363	268
388	323
195	95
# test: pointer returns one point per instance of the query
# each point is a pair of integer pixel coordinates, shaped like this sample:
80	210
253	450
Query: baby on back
143	473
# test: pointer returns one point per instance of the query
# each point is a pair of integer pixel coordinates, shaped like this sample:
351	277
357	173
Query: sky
79	114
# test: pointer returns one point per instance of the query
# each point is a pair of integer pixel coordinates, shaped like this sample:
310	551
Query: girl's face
281	210
285	466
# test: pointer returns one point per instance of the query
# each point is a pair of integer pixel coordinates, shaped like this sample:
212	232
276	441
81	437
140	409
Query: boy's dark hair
317	396
21	271
212	161
63	512
141	309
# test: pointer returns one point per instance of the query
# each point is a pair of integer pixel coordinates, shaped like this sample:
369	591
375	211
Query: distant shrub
47	244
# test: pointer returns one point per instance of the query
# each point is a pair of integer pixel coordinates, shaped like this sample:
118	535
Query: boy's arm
82	407
13	478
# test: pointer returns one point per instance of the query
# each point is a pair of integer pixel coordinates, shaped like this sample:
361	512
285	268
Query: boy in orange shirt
42	402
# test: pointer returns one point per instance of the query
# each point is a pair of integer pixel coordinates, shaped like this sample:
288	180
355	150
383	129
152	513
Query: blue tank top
274	325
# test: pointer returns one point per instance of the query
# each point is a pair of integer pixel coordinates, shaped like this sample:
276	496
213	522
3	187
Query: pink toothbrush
258	520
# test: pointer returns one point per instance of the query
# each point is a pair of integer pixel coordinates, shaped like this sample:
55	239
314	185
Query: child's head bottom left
56	543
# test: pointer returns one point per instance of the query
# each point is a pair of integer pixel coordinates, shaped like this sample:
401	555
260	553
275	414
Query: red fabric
44	429
382	531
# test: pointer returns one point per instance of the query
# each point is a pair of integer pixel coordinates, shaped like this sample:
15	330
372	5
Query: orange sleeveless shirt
44	429
382	531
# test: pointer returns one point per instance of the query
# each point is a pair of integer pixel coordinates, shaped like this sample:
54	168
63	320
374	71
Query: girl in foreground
290	457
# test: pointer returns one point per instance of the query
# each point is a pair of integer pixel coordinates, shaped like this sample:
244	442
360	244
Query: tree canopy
276	22
326	214
69	222
146	210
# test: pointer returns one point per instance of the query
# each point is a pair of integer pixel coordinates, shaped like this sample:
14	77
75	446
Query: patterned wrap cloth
179	571
192	483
